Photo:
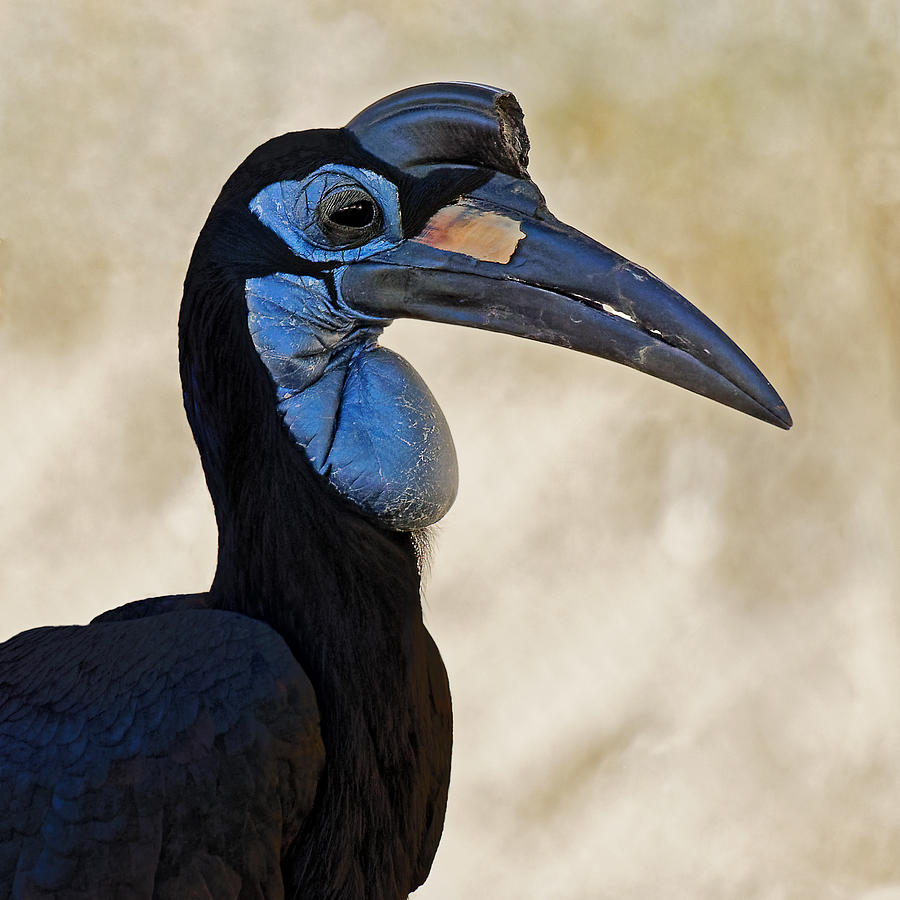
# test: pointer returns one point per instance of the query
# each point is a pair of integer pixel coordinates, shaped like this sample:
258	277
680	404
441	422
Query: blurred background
672	631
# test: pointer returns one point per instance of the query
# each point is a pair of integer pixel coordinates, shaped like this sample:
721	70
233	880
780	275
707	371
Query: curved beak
496	259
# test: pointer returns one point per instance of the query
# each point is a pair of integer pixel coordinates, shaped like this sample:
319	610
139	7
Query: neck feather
343	592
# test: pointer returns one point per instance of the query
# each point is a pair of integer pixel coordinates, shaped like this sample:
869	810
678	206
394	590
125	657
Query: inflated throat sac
362	415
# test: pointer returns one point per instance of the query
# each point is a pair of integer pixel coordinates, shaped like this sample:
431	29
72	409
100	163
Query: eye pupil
348	216
358	214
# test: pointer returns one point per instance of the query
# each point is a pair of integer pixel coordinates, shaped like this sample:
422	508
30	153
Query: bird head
420	207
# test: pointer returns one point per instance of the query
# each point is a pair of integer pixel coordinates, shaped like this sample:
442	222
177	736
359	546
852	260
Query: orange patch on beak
465	228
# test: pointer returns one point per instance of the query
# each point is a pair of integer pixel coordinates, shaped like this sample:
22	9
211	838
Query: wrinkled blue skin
363	416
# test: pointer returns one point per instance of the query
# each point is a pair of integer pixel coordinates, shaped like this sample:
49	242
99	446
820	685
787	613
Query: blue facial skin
363	416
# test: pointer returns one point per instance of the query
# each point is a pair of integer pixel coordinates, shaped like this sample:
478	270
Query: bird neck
343	592
295	553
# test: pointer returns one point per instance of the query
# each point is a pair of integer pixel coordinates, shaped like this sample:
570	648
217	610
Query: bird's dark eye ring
349	217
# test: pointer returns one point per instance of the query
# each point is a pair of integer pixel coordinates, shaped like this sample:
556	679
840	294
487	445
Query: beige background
673	632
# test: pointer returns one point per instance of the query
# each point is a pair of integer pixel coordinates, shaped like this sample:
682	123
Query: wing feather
173	754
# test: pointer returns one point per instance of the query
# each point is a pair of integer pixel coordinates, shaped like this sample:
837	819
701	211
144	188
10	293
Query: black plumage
340	596
288	733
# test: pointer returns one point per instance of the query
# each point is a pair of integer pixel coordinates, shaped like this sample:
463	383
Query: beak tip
784	417
772	409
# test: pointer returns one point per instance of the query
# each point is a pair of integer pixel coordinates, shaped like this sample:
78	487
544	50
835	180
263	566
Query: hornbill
288	732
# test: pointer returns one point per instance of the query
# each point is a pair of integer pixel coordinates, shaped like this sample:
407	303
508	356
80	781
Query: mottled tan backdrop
673	632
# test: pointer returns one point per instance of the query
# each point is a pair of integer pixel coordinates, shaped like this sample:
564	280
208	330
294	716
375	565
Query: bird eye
354	215
349	217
